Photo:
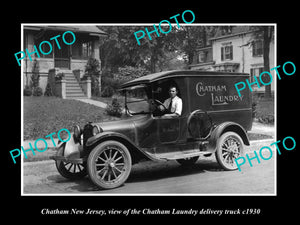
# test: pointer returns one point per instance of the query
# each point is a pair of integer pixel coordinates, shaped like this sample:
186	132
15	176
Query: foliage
35	77
59	76
263	109
108	91
37	91
48	91
128	73
27	91
121	48
92	69
189	38
111	81
265	33
115	108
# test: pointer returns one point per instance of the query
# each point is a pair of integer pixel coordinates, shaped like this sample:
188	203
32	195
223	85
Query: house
234	49
67	59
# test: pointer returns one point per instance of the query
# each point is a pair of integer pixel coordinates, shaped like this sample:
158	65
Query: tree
120	49
189	38
266	34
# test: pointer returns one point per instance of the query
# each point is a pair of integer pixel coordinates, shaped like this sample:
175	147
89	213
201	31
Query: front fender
68	151
105	135
225	127
136	152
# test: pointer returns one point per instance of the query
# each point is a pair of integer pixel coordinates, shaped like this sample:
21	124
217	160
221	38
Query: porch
63	58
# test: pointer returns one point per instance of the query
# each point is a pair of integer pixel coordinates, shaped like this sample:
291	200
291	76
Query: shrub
114	109
35	77
48	91
92	69
27	91
108	91
254	112
37	91
95	85
267	119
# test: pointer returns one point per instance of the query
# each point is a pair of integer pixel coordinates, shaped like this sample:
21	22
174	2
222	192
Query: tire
230	146
109	164
70	170
188	161
199	124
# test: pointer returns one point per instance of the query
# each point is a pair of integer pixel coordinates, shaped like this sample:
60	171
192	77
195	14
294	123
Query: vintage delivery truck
214	119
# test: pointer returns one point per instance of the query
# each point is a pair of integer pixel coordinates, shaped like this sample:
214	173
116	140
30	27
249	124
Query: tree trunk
267	40
153	63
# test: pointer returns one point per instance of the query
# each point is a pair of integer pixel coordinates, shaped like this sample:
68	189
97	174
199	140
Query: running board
177	155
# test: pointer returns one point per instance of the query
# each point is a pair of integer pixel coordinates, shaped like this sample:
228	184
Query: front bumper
68	152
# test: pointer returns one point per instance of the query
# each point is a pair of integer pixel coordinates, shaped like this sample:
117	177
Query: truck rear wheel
230	146
109	164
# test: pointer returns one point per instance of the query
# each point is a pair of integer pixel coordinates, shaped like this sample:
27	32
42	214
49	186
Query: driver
173	105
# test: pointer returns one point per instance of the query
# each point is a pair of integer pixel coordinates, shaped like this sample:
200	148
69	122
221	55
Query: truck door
168	129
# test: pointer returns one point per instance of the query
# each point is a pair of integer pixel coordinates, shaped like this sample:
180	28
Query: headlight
96	130
77	131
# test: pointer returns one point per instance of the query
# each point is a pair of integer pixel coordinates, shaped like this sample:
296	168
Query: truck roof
177	73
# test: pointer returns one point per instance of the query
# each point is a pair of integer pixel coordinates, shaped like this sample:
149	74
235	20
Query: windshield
137	100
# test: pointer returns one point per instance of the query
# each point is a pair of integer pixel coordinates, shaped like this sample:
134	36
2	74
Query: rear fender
225	127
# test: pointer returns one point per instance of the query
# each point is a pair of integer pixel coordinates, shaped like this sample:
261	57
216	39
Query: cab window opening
137	100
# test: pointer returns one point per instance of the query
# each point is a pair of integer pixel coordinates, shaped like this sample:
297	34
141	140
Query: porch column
96	52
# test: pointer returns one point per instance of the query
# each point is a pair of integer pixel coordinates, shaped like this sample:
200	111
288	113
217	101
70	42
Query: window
45	47
202	57
257	48
255	72
226	52
81	49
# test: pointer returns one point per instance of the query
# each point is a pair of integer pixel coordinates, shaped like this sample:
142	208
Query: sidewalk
260	128
92	102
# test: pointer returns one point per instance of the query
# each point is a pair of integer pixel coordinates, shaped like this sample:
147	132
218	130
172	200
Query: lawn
265	111
45	115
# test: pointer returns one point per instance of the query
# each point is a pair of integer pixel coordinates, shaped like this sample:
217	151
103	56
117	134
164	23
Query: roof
80	28
176	73
232	31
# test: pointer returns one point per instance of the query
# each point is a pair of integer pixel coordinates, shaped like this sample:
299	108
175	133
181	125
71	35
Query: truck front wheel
230	146
109	164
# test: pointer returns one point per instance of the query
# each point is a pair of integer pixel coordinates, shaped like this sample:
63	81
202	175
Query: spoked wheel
109	164
72	171
230	147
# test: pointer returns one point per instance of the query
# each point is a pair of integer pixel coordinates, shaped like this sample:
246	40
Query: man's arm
178	109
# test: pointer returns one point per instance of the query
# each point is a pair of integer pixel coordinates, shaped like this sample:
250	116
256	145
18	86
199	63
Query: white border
149	24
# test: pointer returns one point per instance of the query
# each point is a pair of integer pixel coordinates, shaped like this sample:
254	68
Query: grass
265	111
45	115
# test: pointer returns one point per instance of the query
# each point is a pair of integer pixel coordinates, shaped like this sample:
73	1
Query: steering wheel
160	103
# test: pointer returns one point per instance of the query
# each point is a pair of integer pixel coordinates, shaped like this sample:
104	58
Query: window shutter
222	53
231	52
251	74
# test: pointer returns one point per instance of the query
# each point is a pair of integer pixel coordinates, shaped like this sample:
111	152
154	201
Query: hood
126	127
